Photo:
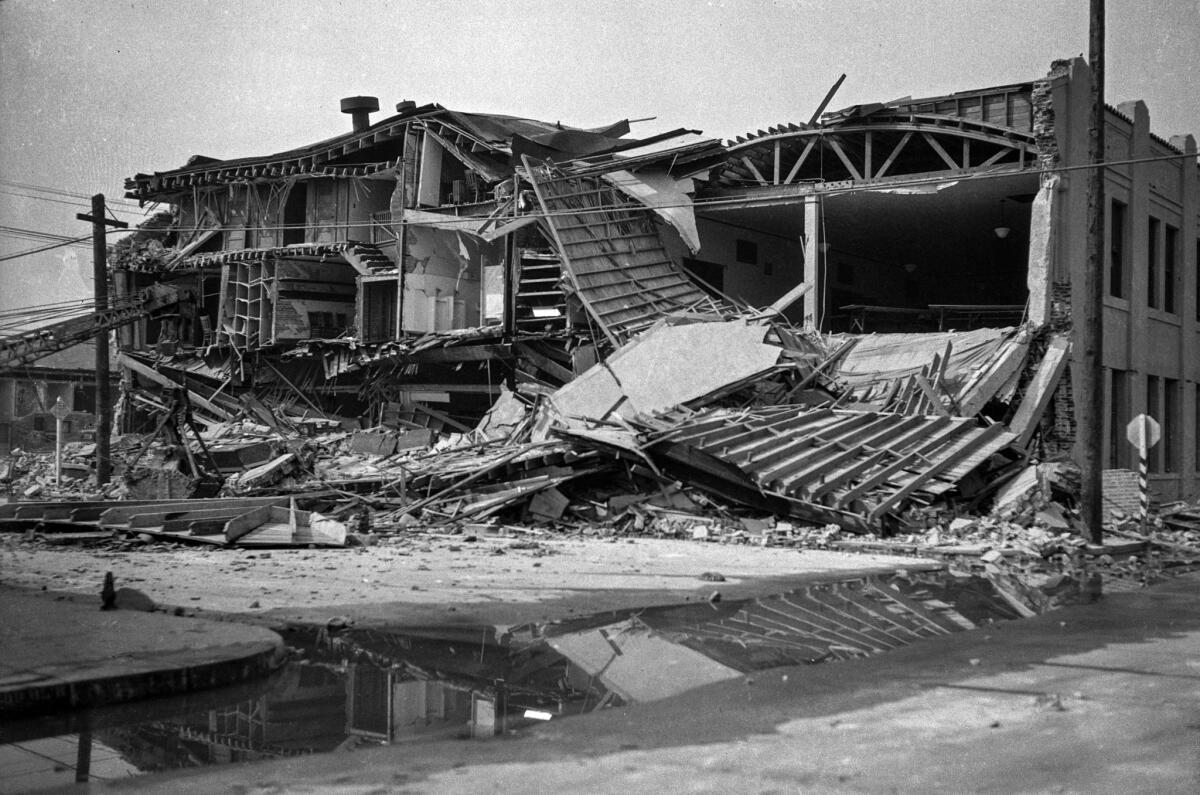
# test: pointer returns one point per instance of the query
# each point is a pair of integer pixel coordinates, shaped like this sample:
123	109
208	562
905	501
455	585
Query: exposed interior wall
275	301
443	278
755	266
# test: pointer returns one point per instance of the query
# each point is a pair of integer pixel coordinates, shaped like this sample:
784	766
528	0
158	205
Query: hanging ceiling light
1002	230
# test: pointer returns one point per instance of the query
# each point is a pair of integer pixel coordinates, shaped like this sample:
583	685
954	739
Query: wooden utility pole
1089	330
100	281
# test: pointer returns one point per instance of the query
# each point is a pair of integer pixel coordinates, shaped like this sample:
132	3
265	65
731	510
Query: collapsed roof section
490	144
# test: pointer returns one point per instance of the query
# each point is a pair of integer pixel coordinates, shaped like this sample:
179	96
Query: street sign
1143	431
59	410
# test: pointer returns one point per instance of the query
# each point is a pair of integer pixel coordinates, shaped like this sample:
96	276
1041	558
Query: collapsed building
832	320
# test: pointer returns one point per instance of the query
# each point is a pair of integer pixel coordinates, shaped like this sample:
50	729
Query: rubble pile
772	437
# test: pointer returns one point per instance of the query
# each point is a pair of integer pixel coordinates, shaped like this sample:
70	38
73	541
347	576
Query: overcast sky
96	90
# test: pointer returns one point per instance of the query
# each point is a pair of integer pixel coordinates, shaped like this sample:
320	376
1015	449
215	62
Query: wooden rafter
808	147
942	153
837	150
754	170
895	153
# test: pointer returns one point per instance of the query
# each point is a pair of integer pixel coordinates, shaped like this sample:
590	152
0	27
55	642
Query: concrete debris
701	419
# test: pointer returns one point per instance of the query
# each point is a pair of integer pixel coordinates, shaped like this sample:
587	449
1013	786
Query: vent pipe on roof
405	105
360	110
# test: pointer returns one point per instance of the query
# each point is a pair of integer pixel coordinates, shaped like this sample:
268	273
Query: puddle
349	687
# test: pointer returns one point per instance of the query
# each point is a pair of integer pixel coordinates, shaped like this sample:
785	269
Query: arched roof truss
873	148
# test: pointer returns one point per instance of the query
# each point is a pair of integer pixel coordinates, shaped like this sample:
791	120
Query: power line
66	202
50	247
61	192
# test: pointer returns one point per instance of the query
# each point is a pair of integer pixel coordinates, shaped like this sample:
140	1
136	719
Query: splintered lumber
980	390
122	513
265	472
1040	390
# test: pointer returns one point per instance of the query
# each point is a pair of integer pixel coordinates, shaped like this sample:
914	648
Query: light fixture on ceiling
1003	230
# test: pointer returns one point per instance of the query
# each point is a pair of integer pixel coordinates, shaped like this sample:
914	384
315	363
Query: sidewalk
1098	698
59	652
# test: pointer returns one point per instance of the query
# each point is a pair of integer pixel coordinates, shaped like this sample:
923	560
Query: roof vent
405	106
360	110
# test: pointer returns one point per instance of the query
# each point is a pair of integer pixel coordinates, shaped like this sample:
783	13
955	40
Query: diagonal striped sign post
1143	433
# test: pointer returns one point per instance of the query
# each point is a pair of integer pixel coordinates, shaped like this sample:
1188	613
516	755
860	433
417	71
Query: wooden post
60	411
100	282
1089	409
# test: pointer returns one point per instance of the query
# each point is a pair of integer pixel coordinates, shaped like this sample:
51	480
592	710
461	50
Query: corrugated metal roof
830	462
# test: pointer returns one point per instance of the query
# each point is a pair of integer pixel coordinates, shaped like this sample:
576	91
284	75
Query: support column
814	265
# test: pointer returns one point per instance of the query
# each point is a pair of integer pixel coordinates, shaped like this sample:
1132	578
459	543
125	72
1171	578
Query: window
1153	408
1170	268
746	251
1118	274
1118	418
1152	233
1196	430
1170	426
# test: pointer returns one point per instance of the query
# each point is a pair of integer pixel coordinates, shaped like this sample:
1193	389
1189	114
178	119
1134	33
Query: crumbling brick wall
1120	487
1044	132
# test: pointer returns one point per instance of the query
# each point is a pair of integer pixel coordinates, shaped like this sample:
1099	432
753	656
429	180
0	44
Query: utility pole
100	281
1090	328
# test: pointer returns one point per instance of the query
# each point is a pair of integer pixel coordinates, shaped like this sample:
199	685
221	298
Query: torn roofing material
613	255
854	468
870	369
496	137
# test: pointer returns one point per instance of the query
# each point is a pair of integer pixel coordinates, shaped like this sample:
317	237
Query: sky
95	91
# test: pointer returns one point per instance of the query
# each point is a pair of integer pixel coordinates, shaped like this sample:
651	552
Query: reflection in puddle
351	687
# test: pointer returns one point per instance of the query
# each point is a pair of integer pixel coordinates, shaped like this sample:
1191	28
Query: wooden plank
240	525
895	153
905	460
808	147
1040	390
544	363
156	518
839	479
121	513
937	147
975	395
942	464
754	170
837	150
926	388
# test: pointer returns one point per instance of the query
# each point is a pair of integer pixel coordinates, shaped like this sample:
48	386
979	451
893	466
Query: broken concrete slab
667	366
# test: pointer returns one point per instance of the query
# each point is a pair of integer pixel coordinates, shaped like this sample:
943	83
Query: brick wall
1121	490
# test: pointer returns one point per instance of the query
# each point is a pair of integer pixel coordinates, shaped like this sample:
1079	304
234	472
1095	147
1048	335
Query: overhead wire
714	202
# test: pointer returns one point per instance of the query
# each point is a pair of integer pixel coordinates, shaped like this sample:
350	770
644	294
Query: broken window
1118	416
295	214
746	251
1118	271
